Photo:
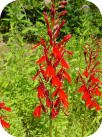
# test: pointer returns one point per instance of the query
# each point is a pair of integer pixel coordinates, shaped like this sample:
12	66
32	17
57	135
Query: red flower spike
4	123
90	83
37	111
52	65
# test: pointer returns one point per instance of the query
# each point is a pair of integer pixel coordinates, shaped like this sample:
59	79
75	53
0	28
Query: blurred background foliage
21	25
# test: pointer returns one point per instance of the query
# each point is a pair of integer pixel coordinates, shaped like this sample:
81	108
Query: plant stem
50	128
84	123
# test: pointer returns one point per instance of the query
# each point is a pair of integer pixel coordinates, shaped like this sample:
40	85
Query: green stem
84	123
50	128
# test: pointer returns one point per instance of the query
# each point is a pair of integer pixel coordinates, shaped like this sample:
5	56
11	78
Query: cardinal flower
90	79
53	68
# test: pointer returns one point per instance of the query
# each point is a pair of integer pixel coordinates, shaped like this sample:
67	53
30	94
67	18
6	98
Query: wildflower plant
90	78
2	121
52	65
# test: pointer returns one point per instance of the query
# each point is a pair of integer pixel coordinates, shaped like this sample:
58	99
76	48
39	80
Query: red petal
65	64
82	88
97	92
88	102
2	104
5	124
50	72
46	19
40	92
54	113
37	111
48	102
56	53
62	94
56	82
63	97
41	60
67	76
86	96
6	108
67	37
86	74
95	80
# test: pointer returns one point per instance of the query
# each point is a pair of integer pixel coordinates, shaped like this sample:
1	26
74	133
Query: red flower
50	72
56	82
67	76
48	102
82	88
58	29
41	60
2	106
90	83
56	53
4	123
63	97
63	13
54	113
40	92
65	64
37	111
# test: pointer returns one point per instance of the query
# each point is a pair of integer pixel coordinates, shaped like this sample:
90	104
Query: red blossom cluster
2	121
52	65
90	78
